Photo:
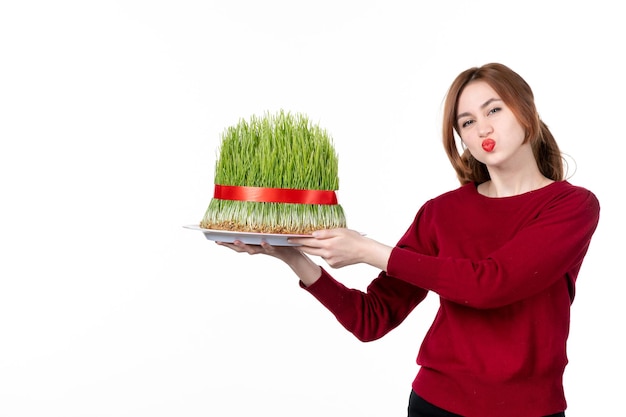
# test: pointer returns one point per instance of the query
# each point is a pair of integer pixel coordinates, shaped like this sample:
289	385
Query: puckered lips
488	144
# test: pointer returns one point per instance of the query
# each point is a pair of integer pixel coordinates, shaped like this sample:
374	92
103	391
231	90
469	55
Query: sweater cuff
330	292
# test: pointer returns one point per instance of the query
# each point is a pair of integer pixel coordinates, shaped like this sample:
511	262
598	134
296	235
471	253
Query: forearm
372	314
376	254
307	270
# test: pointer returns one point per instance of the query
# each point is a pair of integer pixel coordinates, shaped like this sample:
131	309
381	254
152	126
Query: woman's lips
488	145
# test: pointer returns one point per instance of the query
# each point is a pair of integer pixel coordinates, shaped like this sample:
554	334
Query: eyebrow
485	104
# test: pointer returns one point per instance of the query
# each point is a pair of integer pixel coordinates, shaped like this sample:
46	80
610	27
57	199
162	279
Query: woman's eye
467	123
495	110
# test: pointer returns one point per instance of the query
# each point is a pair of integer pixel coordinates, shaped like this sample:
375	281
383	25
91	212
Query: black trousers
418	407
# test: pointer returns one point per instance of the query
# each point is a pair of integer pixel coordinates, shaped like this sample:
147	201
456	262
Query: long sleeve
372	314
533	247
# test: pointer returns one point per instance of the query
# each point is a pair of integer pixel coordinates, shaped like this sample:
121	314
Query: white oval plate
249	238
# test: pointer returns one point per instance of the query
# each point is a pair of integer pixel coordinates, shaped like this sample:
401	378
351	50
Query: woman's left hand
342	247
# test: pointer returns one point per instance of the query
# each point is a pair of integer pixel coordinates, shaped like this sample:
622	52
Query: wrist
377	254
307	270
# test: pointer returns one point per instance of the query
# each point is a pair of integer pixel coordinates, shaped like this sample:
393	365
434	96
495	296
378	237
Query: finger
267	247
314	251
231	246
304	241
239	246
324	233
252	249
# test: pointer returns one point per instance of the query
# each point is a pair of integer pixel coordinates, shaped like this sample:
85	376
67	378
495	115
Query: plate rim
240	233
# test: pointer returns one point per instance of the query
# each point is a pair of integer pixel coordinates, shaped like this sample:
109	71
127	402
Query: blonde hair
518	96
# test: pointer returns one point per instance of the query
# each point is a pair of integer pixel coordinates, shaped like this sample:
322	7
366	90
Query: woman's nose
484	128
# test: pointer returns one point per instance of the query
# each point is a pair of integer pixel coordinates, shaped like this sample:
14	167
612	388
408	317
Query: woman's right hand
300	263
284	253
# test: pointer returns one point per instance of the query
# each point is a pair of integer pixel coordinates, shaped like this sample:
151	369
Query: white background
110	117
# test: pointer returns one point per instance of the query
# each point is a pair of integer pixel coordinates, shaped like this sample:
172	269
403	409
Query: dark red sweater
505	271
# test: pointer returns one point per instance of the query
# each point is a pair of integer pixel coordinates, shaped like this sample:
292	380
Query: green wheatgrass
281	150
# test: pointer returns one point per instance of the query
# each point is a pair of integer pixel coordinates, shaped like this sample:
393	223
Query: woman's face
488	128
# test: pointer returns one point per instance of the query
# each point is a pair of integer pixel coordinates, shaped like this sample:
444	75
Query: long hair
518	96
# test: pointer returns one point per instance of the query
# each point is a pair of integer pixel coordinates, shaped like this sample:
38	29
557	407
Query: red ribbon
274	195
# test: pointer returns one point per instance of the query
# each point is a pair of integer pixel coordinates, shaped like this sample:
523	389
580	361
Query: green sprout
283	150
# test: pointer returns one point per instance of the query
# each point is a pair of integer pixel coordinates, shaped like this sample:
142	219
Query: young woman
502	251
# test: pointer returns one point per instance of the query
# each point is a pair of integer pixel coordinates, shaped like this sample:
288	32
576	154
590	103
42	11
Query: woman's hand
338	247
302	265
342	247
284	253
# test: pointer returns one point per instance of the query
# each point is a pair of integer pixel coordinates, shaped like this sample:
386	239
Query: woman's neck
508	186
